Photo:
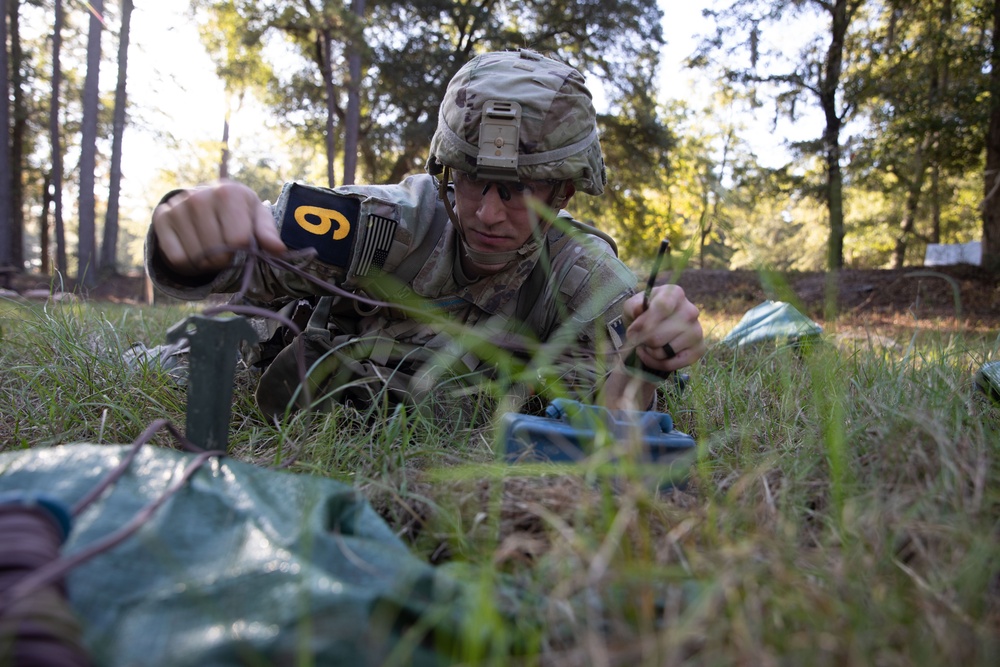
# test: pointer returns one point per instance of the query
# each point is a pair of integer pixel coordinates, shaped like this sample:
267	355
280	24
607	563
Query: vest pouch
332	375
339	369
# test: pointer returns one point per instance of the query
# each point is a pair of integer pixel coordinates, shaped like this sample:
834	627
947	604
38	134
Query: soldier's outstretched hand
667	334
196	230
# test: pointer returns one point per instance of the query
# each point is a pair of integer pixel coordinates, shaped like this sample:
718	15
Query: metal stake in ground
212	361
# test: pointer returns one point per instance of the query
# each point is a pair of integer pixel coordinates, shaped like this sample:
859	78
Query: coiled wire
37	626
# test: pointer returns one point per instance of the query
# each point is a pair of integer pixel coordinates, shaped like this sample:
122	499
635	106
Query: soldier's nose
491	207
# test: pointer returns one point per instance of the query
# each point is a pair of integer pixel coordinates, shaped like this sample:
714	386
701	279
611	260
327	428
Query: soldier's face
497	216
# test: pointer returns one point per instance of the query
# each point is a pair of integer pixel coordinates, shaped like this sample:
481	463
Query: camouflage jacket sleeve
583	299
340	236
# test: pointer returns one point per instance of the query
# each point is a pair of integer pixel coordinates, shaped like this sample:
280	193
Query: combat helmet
518	115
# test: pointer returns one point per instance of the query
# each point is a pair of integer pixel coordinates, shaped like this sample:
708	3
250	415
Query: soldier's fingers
645	315
690	340
244	219
170	246
666	300
209	227
175	224
668	332
266	232
632	308
668	316
682	358
233	206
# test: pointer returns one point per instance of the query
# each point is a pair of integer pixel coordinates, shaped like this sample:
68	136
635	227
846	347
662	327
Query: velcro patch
323	220
616	331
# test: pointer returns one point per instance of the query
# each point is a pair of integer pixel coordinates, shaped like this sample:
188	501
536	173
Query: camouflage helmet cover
558	130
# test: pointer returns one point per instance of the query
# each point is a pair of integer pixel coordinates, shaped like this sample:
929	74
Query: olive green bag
360	371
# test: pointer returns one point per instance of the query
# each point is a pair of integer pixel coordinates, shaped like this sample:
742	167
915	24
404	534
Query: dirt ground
963	292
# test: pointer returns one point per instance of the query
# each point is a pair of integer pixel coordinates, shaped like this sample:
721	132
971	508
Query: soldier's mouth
490	241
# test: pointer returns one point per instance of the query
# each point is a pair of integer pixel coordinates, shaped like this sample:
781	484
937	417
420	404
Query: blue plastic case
570	430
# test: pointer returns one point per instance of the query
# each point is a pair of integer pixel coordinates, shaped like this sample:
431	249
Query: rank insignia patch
320	219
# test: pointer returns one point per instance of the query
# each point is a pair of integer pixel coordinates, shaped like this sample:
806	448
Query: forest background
889	110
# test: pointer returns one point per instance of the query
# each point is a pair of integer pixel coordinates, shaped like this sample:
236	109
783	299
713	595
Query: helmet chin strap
477	256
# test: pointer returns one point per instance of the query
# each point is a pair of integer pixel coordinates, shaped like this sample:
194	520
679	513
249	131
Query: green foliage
411	50
234	45
911	95
961	212
201	166
873	219
925	125
784	52
780	236
714	181
636	145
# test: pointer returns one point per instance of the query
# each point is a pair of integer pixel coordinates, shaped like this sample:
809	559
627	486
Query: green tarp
988	380
772	321
243	566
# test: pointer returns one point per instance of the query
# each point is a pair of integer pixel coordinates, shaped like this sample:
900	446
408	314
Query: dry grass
843	509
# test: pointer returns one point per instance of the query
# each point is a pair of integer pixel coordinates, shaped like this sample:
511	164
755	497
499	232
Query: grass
844	507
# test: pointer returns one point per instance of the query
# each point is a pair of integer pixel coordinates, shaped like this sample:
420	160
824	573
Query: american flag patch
375	248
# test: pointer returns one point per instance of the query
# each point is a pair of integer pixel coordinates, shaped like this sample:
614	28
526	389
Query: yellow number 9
326	220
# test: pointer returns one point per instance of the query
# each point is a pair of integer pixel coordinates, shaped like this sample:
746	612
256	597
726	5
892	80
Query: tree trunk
914	190
991	201
909	220
352	123
224	157
226	154
831	135
56	141
935	236
705	228
326	67
942	78
835	204
109	249
715	182
6	249
86	255
17	134
43	225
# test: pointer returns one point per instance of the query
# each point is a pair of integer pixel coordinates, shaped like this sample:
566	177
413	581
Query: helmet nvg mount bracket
498	141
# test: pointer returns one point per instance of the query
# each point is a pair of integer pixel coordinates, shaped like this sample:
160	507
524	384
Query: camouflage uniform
505	118
579	304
